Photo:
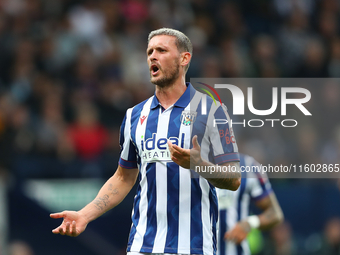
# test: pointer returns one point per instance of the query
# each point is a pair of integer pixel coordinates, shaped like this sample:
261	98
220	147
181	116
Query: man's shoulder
138	107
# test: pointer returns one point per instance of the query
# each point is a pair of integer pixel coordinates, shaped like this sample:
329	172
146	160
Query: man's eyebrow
156	48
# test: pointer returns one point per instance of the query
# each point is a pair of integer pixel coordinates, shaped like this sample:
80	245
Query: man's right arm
110	195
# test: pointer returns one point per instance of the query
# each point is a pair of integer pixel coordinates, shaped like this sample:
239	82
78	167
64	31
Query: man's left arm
224	176
271	216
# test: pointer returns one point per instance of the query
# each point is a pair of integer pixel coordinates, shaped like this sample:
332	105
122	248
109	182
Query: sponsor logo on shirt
142	119
156	149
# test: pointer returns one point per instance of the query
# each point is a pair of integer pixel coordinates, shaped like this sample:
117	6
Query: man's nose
153	56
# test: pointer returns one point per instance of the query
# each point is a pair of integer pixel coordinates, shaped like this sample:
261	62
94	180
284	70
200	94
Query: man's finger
179	149
171	147
74	228
61	231
68	232
177	154
176	149
55	231
174	159
56	215
169	144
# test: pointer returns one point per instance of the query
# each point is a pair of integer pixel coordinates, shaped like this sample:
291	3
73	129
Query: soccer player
234	220
175	208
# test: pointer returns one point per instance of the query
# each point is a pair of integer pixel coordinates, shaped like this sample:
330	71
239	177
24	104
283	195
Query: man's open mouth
154	69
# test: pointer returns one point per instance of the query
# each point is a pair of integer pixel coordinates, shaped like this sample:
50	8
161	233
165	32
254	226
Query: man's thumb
195	142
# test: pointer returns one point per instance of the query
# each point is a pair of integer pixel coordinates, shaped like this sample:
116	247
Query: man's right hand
74	223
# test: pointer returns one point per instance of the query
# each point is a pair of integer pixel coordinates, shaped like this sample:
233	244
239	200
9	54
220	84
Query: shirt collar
182	101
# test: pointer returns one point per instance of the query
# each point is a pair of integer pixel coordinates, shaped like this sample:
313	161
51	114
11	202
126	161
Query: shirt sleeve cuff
127	164
263	195
224	158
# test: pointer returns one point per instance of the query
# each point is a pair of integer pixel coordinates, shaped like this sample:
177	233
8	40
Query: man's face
163	60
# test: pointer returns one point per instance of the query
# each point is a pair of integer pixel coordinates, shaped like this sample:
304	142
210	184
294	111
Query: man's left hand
182	157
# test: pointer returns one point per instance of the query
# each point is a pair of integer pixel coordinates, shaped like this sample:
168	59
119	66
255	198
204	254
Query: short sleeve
128	157
259	185
222	137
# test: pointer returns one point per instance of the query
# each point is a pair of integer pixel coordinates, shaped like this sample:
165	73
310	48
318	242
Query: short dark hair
183	43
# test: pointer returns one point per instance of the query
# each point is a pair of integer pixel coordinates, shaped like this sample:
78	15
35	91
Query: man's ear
185	58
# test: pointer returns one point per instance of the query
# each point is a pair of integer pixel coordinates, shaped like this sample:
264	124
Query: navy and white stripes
173	212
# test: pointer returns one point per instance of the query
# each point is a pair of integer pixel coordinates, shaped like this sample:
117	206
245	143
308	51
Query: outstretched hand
74	223
182	157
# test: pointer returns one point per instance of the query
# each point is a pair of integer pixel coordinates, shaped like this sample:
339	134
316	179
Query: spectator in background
331	149
307	145
314	58
87	136
234	61
293	38
329	109
66	44
265	57
334	62
84	143
88	24
332	237
17	141
174	13
51	125
85	79
23	70
328	25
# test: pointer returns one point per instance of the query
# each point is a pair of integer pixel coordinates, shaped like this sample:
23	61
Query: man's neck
169	95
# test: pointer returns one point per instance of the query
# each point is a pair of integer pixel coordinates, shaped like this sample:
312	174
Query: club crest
188	117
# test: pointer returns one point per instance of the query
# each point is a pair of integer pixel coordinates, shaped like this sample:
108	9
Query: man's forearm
226	176
109	196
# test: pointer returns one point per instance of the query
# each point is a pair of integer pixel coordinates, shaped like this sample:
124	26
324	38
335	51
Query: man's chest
151	131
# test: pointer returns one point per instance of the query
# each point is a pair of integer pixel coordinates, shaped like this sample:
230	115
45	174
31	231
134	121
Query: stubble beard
168	78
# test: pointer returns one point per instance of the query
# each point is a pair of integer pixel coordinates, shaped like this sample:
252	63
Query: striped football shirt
175	210
234	206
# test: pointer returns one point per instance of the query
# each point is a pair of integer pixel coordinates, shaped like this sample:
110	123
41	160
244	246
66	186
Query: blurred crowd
69	69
